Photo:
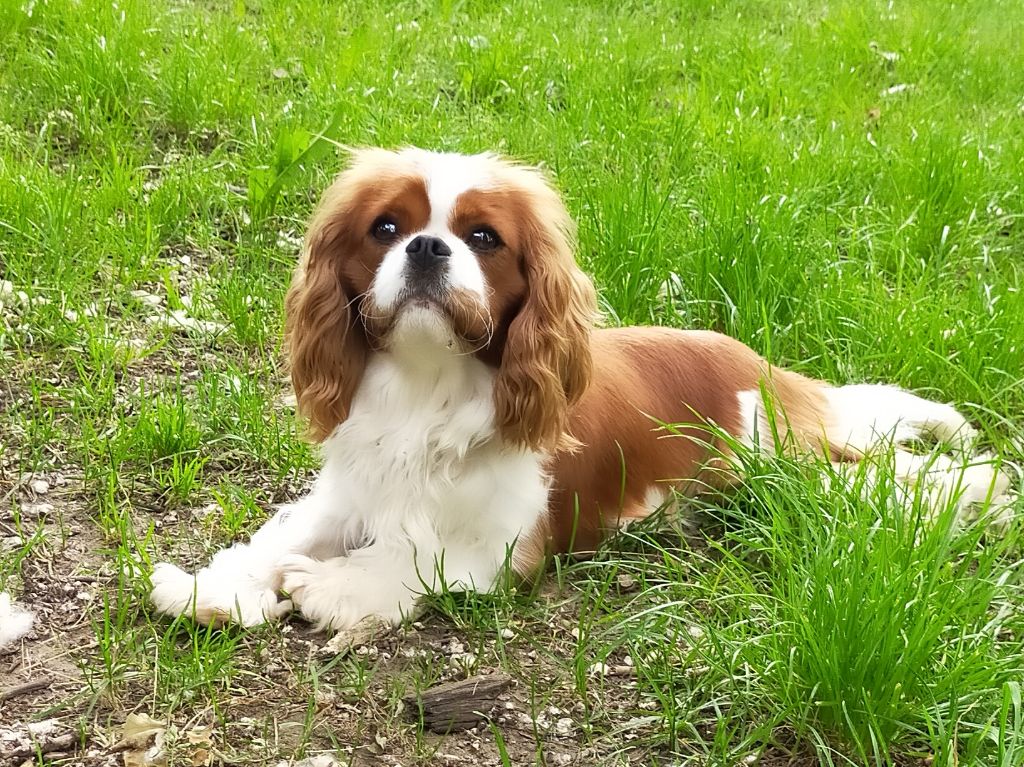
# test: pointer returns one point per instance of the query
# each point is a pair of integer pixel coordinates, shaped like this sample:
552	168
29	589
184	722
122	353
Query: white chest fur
418	465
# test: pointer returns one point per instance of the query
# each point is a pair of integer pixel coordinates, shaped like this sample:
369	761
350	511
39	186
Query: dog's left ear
546	364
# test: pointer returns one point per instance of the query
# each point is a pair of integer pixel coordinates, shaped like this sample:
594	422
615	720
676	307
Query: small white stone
45	727
507	633
626	582
893	90
37	509
207	510
599	669
564	726
149	299
40	486
180	319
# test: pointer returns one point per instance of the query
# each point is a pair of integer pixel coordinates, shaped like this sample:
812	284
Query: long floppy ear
546	364
326	343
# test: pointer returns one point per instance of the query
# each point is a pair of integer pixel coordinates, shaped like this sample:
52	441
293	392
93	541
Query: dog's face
441	254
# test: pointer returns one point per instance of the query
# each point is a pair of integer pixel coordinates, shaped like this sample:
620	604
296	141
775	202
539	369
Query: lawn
840	185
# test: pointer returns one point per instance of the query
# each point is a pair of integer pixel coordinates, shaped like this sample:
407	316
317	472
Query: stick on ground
458	705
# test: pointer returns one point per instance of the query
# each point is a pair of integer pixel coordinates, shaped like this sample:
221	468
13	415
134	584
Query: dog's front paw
212	599
334	594
298	573
314	588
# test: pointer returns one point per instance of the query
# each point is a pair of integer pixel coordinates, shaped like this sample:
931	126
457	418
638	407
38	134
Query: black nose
425	251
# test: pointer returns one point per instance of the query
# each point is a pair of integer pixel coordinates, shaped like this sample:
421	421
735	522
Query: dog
444	351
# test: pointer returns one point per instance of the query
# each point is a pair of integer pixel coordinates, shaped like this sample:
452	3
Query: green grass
754	167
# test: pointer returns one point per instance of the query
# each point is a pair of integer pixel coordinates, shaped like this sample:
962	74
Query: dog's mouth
459	311
420	299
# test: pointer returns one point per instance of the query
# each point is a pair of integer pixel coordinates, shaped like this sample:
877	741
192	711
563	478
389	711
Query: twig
456	706
59	743
25	689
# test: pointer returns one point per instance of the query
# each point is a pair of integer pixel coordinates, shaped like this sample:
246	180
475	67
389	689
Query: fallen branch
58	743
458	705
25	689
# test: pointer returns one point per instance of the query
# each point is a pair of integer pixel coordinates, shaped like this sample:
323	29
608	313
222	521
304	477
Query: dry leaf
137	732
155	756
138	729
200	736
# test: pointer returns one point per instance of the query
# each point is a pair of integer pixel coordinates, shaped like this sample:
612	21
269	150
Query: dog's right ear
326	342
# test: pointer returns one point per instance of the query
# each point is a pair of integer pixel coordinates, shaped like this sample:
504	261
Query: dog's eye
483	239
384	229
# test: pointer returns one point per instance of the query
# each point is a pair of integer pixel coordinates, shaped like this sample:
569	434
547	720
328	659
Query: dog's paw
333	594
316	591
297	574
986	495
1000	513
212	599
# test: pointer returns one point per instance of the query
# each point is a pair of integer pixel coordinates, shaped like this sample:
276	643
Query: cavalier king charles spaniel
444	351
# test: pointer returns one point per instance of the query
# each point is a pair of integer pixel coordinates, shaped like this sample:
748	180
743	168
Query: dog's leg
387	579
379	580
977	486
241	583
866	415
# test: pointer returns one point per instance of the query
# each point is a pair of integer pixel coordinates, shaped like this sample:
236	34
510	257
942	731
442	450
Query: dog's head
442	254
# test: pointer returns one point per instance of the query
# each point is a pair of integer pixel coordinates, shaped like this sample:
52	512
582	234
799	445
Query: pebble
626	582
564	726
150	299
39	486
43	728
465	661
37	509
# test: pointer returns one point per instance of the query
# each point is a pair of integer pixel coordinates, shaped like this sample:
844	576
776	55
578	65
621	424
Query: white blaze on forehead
447	177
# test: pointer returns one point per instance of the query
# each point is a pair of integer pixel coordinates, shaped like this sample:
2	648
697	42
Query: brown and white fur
444	351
